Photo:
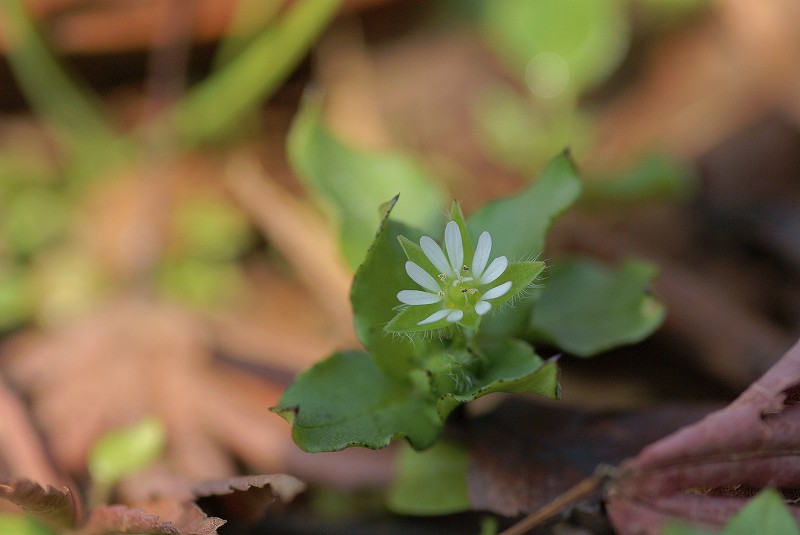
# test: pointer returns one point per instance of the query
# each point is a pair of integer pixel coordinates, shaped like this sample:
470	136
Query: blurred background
187	186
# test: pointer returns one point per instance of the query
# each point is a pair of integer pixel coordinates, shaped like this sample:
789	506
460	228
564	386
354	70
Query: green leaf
510	366
352	182
766	514
347	400
518	224
589	37
215	106
655	177
125	451
586	308
14	524
430	482
374	298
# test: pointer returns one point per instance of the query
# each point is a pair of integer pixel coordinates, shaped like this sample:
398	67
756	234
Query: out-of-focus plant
40	191
559	52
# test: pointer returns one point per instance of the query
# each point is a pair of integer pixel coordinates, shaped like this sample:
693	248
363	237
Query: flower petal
495	269
436	316
454	246
497	291
435	255
454	315
481	254
421	277
482	307
415	297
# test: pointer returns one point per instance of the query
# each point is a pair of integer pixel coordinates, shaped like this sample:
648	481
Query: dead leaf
111	519
56	507
245	498
691	474
137	357
523	454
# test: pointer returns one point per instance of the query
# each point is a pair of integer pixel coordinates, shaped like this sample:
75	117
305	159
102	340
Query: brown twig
583	489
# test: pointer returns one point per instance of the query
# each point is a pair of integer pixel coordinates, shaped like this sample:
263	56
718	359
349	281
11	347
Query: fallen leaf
245	498
110	519
523	454
704	473
56	507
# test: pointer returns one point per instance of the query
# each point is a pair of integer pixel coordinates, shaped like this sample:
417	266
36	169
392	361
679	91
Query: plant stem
220	101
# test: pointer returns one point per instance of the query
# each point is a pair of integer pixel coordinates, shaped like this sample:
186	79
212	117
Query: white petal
497	291
482	307
435	255
495	269
415	297
436	316
455	248
454	315
421	277
481	254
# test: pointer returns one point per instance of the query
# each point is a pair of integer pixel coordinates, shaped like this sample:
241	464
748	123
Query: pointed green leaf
374	298
352	182
521	275
765	514
346	400
518	224
586	308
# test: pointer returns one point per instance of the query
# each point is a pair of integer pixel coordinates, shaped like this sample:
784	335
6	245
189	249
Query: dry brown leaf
523	454
136	357
245	498
56	507
692	474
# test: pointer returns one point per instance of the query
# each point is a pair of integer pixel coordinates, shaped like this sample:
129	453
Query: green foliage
405	386
519	224
655	177
123	452
430	482
766	514
14	524
352	183
589	37
346	400
585	308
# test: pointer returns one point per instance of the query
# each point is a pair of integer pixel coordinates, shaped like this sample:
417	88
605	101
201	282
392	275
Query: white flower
457	286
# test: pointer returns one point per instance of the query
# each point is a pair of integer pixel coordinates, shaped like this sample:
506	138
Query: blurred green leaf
766	514
16	297
523	136
33	217
430	482
537	37
346	400
69	107
211	229
585	308
213	107
16	524
655	177
352	183
126	451
200	283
